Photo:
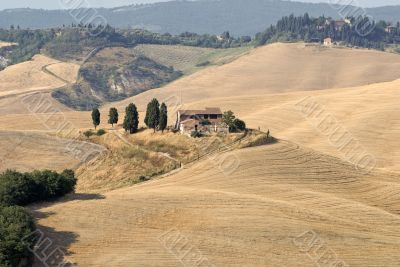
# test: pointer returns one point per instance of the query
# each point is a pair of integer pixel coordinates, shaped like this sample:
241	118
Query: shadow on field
52	246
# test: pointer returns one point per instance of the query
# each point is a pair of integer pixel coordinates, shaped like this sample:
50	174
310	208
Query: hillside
240	17
190	59
114	74
281	68
21	151
31	76
255	216
253	213
250	88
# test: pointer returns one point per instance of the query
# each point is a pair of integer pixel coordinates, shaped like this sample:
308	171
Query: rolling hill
256	213
253	85
255	216
343	81
280	68
32	76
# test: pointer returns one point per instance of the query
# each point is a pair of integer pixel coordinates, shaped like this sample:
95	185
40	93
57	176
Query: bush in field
16	188
239	125
196	134
17	227
233	123
16	237
50	185
24	188
88	133
101	132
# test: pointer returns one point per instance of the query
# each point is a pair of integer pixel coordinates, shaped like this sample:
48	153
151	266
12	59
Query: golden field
253	212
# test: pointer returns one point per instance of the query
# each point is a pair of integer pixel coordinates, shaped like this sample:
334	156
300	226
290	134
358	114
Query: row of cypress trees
156	117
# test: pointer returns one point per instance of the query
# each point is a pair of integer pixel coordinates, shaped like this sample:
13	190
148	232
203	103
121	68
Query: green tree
131	121
17	237
163	117
228	118
152	118
16	188
113	116
239	125
96	117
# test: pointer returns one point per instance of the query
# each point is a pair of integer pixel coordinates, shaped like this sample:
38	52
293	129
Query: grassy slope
249	217
248	86
190	59
144	154
29	76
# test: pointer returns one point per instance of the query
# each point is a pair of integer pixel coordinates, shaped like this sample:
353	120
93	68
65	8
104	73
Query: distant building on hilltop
208	120
328	41
390	29
338	24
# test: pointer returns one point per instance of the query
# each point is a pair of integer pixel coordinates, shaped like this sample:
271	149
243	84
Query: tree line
17	227
156	117
309	29
72	39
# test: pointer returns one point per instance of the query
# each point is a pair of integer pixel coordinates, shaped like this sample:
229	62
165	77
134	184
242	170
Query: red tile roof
206	111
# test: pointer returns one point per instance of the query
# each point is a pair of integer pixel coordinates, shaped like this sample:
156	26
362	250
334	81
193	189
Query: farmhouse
390	29
208	120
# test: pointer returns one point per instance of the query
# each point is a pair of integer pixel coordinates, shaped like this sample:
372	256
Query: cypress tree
152	118
163	117
131	121
96	117
113	116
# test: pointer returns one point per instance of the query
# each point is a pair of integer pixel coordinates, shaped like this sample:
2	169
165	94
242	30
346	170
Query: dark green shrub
16	188
88	133
16	238
24	188
50	185
101	132
203	64
239	125
143	178
196	134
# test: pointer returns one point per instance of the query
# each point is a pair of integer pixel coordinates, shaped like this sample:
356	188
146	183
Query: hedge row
16	224
25	188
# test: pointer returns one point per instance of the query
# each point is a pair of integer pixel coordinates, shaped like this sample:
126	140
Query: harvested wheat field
251	215
31	76
67	72
256	206
188	59
373	126
28	151
279	68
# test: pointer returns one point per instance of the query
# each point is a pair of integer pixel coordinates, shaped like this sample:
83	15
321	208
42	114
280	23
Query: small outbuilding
328	41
